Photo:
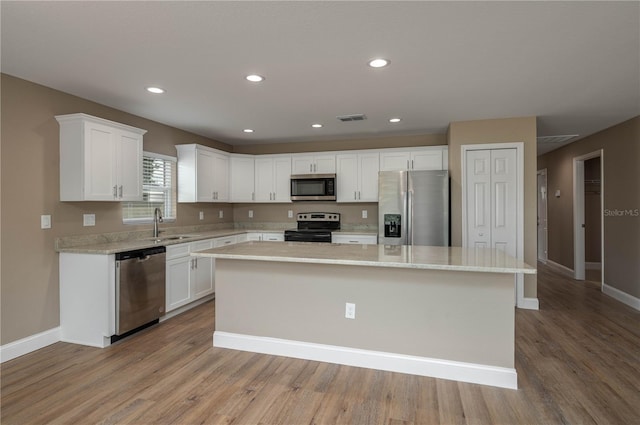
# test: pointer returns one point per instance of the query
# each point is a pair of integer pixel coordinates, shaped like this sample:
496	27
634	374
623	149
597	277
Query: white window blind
158	190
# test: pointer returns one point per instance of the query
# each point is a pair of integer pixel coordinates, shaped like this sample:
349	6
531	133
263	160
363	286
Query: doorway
588	216
542	216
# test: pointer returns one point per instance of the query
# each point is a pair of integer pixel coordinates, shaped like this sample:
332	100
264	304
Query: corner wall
30	187
498	131
621	187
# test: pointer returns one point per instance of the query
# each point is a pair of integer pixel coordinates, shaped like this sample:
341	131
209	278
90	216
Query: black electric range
313	227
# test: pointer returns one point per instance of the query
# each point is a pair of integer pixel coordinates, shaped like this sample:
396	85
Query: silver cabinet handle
121	191
359	197
355	195
115	191
412	164
407	164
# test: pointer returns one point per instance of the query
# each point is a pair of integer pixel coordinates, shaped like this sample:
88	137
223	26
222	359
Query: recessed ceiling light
394	120
378	63
316	125
248	130
155	90
254	78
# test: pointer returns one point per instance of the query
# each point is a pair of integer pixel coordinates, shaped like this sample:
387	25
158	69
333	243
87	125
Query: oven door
307	236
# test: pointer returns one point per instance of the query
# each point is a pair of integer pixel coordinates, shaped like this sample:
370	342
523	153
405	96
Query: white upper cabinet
203	174
272	178
100	160
425	158
314	164
242	178
357	177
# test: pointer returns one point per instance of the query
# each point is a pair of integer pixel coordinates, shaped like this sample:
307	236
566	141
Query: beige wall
351	214
480	329
30	187
621	186
497	131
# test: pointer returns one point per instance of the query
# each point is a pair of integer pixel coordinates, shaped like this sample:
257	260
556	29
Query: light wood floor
577	361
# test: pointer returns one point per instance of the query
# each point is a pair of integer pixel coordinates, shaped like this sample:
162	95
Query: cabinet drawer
355	239
228	240
177	251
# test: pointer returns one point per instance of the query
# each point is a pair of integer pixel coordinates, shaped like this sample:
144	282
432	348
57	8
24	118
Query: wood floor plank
577	358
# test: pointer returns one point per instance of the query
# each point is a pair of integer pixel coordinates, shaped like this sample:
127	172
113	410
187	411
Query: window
158	191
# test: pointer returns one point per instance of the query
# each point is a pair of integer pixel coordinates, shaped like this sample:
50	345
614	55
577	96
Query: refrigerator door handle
409	217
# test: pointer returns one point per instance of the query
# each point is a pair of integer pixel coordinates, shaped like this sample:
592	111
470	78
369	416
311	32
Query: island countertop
407	257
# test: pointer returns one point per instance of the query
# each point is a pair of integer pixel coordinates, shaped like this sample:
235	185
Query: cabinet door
129	165
100	180
221	177
347	178
394	161
204	176
427	160
368	167
302	164
273	237
282	179
202	273
325	164
264	179
178	280
242	182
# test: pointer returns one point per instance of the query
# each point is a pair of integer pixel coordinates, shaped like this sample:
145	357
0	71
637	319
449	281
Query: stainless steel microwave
313	187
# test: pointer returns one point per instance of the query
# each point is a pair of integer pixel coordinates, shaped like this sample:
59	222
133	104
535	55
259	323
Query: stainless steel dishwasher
140	289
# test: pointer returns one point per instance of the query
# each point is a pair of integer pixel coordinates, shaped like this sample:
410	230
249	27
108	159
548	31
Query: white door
491	181
282	179
204	177
542	216
264	179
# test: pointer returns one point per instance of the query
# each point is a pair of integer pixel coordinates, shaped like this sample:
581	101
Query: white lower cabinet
188	278
363	239
269	236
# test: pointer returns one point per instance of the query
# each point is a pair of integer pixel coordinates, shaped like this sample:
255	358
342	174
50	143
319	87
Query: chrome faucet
157	218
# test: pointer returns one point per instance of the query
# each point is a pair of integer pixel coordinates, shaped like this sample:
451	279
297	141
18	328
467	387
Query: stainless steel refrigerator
413	208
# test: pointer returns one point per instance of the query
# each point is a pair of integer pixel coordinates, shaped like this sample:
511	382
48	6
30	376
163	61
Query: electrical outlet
221	214
290	213
201	215
45	222
364	214
250	213
88	219
350	311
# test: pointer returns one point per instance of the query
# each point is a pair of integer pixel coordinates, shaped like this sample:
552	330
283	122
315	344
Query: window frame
174	190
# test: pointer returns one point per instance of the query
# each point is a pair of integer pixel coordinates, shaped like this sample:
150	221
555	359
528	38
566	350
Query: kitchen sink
170	238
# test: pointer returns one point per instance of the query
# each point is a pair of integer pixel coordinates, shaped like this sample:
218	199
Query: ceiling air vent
556	139
354	117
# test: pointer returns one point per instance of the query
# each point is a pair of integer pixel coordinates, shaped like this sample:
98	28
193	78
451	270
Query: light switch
290	213
201	215
45	221
88	219
221	214
364	214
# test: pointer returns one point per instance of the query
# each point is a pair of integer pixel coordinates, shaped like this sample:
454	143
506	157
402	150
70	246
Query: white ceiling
574	65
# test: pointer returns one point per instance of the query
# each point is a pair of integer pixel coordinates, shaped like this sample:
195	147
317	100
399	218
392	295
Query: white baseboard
623	297
562	269
27	345
423	366
180	310
590	265
529	303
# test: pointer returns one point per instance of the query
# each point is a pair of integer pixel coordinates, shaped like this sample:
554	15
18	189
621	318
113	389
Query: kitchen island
445	312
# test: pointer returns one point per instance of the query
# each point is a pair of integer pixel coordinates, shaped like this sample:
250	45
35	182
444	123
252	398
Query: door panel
491	199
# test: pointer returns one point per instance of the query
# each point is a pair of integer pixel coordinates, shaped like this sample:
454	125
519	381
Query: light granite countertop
408	257
107	245
112	243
